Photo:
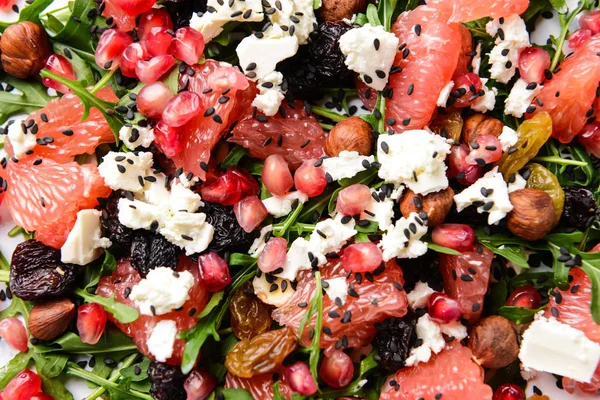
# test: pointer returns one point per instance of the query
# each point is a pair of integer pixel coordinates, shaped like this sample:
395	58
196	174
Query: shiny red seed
354	199
458	168
250	212
60	66
310	179
181	109
525	296
577	38
443	309
158	41
153	69
459	237
466	87
24	385
229	188
199	384
590	138
276	175
362	257
153	18
533	61
168	139
336	369
91	321
273	255
14	333
590	21
134	7
214	272
485	149
187	45
509	391
131	55
153	98
110	48
300	379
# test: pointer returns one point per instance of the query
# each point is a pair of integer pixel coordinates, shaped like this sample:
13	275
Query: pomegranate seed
525	296
231	187
590	138
353	199
153	98
509	391
362	257
336	369
591	21
214	272
276	175
153	69
131	55
168	139
134	7
466	86
577	38
199	384
60	66
250	212
24	385
158	41
458	168
273	255
153	18
181	109
310	179
248	184
5	5
110	48
485	149
300	380
91	321
443	309
459	237
40	396
532	63
14	333
187	45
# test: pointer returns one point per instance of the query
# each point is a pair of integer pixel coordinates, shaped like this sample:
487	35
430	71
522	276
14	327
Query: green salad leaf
112	341
34	96
76	32
97	270
121	312
518	315
17	364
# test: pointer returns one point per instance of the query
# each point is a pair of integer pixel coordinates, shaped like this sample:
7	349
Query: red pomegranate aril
525	296
300	380
214	272
248	184
590	138
250	212
153	18
187	45
199	384
158	41
443	309
273	255
466	87
181	109
310	179
24	385
459	237
458	168
577	38
353	199
362	257
485	149
153	69
134	7
131	55
110	48
91	321
590	21
60	66
336	369
153	98
168	139
229	188
533	61
14	333
40	396
276	175
508	391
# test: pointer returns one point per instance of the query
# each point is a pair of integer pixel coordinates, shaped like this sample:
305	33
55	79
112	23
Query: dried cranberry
181	10
228	235
394	339
151	250
580	207
167	382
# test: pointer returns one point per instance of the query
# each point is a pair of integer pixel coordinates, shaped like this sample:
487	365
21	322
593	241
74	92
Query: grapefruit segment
470	10
124	21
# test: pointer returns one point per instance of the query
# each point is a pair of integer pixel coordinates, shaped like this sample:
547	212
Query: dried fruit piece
542	179
151	250
228	235
249	316
167	382
394	338
580	207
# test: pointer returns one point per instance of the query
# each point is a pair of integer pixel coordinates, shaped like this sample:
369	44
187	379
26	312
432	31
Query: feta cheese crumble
337	288
511	37
162	339
188	231
415	158
489	193
346	165
419	296
516	183
136	136
162	291
487	102
445	94
20	140
382	211
476	61
274	291
370	52
280	206
85	242
520	98
219	12
433	341
123	170
402	240
508	138
259	243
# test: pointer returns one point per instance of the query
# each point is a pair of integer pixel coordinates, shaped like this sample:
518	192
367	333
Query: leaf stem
280	229
103	81
114	378
4	264
74	370
564	29
560	160
326	126
323	112
4	276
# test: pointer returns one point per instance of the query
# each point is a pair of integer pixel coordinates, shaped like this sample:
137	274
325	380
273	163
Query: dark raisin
36	272
167	382
181	10
425	269
119	235
151	250
394	339
229	235
580	206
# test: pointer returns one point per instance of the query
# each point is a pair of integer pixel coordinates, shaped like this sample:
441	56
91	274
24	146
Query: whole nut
49	320
351	134
532	216
479	124
25	48
437	205
337	10
493	342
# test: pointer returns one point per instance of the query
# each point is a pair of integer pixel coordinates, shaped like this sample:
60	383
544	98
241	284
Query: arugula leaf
559	5
16	307
442	249
83	71
129	372
214	301
233	158
232	394
570	163
120	311
120	390
95	271
386	11
372	15
34	96
17	364
51	365
241	259
112	341
76	31
316	306
496	297
32	12
315	206
518	315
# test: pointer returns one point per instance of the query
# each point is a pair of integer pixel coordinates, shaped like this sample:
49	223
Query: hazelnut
532	216
437	205
337	10
25	48
479	124
49	320
494	343
351	134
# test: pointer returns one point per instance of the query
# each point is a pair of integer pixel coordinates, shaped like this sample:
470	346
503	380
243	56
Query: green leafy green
232	394
496	297
34	96
241	259
386	11
570	163
130	371
233	158
95	271
76	32
17	364
32	12
372	15
442	249
112	341
315	306
214	301
518	315
16	307
120	311
83	71
51	365
121	390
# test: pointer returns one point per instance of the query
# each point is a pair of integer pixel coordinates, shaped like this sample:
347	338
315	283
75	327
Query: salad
300	199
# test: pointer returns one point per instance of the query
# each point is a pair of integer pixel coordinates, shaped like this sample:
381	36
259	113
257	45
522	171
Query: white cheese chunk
487	102
402	240
551	346
454	329
162	291
346	165
21	141
162	339
445	94
419	296
296	259
124	170
433	341
511	37
85	242
139	215
383	212
508	138
259	243
188	231
219	12
277	292
476	61
280	206
297	16
155	190
520	98
517	183
183	199
336	288
136	136
268	101
415	158
330	236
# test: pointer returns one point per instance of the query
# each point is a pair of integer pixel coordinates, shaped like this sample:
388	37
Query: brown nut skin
532	216
25	47
479	124
351	134
493	342
337	10
437	205
49	320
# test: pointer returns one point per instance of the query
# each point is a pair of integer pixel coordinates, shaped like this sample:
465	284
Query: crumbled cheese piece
419	296
517	184
370	52
188	231
137	214
155	190
188	180
346	165
219	12
336	288
551	346
136	136
280	206
487	102
383	212
512	37
433	341
259	243
445	94
414	158
276	291
496	203
183	199
520	98
268	100
476	61
330	236
162	291
123	170
162	339
508	138
21	141
298	16
402	240
85	242
454	329
296	259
